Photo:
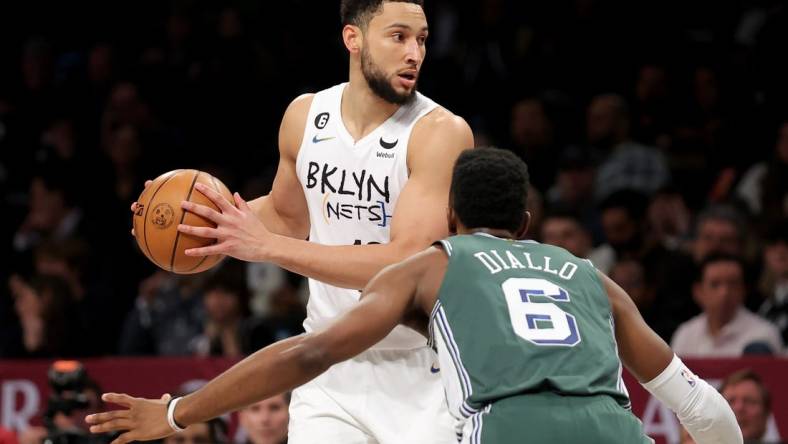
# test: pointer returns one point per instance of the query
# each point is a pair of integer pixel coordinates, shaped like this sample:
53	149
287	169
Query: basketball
159	213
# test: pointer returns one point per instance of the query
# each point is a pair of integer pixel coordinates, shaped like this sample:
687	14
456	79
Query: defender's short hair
489	189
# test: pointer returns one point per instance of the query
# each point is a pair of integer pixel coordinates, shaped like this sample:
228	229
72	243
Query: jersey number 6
542	323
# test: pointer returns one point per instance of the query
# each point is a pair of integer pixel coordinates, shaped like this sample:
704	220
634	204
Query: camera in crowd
74	395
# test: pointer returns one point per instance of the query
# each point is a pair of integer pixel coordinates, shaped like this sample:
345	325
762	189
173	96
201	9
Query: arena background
99	96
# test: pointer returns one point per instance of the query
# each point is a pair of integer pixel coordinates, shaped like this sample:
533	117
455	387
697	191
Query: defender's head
489	189
388	39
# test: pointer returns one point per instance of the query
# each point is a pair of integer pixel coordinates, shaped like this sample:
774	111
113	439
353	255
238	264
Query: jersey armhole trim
445	245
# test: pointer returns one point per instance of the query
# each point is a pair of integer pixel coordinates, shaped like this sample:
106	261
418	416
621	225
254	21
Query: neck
362	109
716	322
506	234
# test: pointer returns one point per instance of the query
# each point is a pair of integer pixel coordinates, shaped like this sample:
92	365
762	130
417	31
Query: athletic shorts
549	418
380	397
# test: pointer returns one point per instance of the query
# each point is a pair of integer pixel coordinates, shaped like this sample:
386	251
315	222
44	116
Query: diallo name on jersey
496	262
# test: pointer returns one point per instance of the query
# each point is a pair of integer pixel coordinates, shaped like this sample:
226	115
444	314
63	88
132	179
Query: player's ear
451	219
524	226
351	36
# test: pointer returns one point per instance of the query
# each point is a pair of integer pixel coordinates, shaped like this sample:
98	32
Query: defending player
530	338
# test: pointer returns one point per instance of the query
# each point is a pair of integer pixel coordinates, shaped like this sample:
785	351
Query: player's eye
397	36
422	39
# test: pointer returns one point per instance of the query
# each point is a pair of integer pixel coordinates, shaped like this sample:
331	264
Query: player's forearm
268	372
347	266
265	210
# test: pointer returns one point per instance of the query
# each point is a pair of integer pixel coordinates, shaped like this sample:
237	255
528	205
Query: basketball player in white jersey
364	174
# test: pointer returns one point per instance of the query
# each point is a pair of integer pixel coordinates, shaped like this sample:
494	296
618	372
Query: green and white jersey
519	317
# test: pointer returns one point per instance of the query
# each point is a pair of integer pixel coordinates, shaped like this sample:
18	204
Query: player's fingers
147	183
199	231
202	210
166	397
217	198
111	426
241	203
133	206
206	251
99	418
118	398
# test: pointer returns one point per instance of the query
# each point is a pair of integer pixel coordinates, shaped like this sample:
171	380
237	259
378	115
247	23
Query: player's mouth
408	78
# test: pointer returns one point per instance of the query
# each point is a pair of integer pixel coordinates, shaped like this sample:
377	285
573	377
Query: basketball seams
183	216
145	217
216	186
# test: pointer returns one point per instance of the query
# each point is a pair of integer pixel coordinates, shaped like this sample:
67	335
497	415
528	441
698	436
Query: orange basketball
159	212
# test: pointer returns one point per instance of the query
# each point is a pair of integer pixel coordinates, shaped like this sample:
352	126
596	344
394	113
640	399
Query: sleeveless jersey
519	317
351	189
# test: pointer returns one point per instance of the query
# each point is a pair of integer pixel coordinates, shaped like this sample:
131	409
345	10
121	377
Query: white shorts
378	397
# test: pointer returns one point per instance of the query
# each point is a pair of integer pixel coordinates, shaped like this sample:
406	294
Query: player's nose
414	54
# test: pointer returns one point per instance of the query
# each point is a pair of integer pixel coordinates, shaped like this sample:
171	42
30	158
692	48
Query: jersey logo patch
434	369
388	145
318	140
321	120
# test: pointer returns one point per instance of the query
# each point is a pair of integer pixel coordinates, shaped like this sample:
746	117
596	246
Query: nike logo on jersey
434	369
317	140
388	145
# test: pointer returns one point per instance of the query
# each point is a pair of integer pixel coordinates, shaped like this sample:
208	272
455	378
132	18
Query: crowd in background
656	137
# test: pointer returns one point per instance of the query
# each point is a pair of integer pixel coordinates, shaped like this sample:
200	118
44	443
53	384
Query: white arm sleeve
700	408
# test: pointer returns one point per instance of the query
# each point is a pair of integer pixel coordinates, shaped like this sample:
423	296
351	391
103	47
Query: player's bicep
285	208
420	214
641	350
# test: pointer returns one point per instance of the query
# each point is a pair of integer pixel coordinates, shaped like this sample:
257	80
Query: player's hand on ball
134	204
238	233
142	420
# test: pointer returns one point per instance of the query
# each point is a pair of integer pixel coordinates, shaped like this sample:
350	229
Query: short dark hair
360	12
714	258
749	375
489	189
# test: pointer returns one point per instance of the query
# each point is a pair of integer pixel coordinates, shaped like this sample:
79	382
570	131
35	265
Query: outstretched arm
700	408
287	364
419	216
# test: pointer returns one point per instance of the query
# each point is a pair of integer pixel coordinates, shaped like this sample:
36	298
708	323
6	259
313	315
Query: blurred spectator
282	319
226	302
265	422
719	229
533	139
774	280
764	187
669	219
53	210
96	306
751	403
573	189
651	107
564	230
213	431
630	276
629	165
167	317
725	328
49	325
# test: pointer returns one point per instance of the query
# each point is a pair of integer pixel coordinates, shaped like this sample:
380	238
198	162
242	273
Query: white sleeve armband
700	408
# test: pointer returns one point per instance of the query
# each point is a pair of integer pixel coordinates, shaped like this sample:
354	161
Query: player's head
388	37
489	189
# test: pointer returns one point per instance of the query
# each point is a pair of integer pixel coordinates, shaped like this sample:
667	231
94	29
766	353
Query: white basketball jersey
351	190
